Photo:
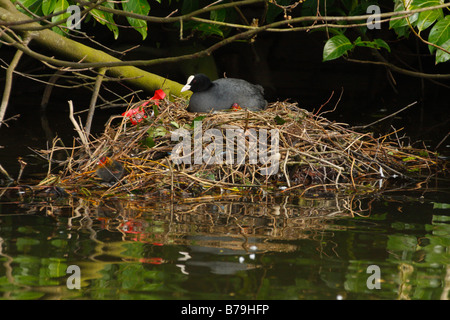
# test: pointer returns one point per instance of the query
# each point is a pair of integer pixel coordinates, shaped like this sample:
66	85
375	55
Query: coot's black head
197	83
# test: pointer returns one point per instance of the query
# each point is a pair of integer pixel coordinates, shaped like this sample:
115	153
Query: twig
286	173
5	173
445	138
326	102
14	117
212	4
384	118
98	83
23	164
8	80
50	157
80	132
49	87
316	152
335	105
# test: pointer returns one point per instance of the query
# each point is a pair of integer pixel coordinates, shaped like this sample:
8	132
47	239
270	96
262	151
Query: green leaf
157	132
427	18
152	134
336	47
440	33
418	4
279	120
48	6
375	44
155	111
382	44
140	7
149	142
199	118
218	15
34	6
442	56
401	26
61	5
106	18
208	29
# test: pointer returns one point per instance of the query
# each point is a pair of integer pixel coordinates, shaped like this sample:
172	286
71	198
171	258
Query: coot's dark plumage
109	170
221	94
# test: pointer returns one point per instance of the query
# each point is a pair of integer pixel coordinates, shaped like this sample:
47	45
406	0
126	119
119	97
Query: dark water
261	248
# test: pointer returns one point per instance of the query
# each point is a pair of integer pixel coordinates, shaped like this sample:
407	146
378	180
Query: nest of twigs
283	148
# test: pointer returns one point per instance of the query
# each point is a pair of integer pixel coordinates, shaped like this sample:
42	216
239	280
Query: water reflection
253	248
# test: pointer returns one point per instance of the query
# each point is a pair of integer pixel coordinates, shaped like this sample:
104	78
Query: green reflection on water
227	251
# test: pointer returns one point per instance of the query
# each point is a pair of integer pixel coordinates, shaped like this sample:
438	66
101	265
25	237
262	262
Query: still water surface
260	248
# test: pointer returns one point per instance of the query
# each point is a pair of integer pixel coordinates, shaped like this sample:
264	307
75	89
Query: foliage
340	45
142	7
49	7
433	21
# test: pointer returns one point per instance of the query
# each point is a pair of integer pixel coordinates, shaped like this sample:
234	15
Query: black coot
221	94
109	170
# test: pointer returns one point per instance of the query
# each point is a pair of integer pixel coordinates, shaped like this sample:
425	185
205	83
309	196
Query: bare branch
8	82
81	133
93	102
384	118
402	70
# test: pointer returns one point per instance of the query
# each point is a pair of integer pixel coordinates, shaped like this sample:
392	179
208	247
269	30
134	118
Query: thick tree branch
91	58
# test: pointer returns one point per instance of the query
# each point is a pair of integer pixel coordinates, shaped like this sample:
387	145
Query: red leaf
136	115
159	95
153	260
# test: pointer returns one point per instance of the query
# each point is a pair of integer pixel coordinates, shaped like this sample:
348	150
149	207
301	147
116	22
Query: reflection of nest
312	151
231	225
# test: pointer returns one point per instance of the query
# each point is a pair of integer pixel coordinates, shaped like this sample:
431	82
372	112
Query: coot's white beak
187	86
